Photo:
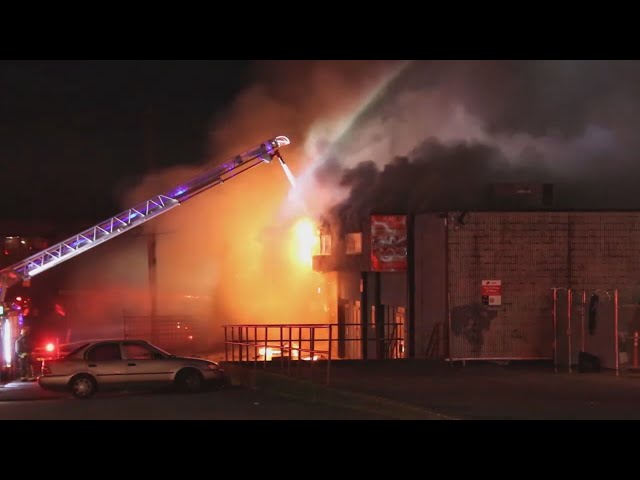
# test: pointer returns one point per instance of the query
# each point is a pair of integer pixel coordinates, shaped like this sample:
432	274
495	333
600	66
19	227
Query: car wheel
190	381
83	386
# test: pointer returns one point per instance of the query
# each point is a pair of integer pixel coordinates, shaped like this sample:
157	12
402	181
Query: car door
104	361
144	364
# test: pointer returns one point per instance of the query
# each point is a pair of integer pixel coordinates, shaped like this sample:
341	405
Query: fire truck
11	318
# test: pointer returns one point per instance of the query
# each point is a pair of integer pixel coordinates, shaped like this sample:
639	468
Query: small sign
492	292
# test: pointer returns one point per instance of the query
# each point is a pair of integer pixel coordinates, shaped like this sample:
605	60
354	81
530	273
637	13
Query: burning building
488	284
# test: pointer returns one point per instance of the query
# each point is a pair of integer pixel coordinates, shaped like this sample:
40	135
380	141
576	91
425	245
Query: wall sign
388	243
492	292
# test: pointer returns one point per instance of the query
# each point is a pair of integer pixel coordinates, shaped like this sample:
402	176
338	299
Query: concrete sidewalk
474	391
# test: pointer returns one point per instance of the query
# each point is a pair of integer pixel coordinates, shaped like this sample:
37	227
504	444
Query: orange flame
305	242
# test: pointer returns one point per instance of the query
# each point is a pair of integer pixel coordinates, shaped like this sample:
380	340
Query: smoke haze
378	136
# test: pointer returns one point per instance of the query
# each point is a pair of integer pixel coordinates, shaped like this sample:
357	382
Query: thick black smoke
435	177
442	132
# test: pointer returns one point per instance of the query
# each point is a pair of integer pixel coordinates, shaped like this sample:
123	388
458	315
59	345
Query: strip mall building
524	284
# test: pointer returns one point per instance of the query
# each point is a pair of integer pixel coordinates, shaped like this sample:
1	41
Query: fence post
555	329
569	301
226	345
312	354
449	338
281	349
299	351
584	305
266	346
330	348
617	344
290	352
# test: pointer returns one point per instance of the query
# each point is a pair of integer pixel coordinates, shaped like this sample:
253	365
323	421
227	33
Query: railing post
312	353
266	346
312	337
555	329
246	343
233	343
226	346
569	300
584	306
299	350
290	352
330	349
256	350
281	349
617	340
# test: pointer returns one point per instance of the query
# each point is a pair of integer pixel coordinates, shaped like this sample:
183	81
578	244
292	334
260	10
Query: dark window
136	351
104	352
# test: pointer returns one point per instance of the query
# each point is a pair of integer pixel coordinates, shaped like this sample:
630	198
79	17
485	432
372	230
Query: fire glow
304	241
267	353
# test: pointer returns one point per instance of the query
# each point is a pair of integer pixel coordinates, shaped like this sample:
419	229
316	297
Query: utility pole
152	259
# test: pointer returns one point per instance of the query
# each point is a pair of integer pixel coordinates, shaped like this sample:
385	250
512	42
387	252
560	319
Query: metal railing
368	342
298	347
291	343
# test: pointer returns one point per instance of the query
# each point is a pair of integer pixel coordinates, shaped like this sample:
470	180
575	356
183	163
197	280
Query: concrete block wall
528	253
532	252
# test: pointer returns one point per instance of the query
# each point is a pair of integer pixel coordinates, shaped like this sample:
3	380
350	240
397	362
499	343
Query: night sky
72	133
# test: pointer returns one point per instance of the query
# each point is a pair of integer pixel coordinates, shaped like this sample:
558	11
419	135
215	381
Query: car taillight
46	370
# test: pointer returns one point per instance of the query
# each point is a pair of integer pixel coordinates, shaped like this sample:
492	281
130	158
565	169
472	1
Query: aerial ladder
122	223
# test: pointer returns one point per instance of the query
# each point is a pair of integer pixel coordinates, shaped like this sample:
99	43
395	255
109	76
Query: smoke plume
442	131
230	254
383	136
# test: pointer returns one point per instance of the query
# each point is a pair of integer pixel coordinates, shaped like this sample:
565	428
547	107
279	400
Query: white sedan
117	364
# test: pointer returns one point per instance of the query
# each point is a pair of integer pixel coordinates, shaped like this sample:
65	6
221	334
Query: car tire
83	386
190	381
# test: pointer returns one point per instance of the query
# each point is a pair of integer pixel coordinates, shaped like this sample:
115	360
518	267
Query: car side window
104	352
136	351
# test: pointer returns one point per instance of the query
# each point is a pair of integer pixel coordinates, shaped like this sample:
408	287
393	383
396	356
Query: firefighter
24	351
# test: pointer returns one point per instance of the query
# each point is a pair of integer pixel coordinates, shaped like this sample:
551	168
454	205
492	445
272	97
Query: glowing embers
271	353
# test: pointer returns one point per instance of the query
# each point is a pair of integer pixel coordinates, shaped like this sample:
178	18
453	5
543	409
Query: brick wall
532	252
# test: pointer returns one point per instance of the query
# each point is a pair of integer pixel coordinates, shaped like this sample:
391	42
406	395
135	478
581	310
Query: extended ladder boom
145	211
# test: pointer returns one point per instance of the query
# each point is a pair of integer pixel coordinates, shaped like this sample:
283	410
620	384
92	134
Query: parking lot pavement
29	402
19	391
477	390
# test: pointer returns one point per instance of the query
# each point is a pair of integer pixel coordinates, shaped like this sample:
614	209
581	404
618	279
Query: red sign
488	290
388	243
492	292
